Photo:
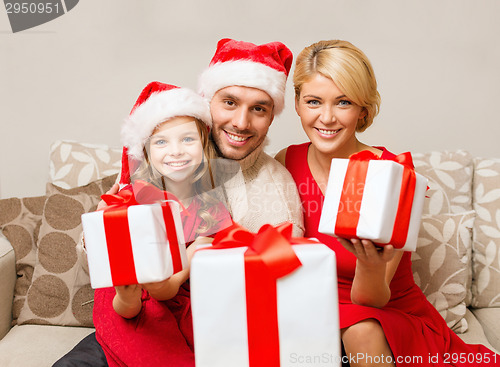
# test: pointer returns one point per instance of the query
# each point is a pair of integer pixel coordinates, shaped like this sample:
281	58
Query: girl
383	313
166	144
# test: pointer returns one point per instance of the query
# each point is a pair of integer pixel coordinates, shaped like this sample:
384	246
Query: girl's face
328	117
176	150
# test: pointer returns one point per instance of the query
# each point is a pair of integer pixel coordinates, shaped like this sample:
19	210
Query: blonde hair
202	179
348	67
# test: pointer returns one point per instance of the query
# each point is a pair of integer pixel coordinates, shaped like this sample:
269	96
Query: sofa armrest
7	284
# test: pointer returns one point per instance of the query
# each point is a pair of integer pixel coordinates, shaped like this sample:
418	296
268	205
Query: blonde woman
385	319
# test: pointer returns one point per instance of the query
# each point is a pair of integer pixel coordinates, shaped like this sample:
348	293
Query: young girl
166	144
383	314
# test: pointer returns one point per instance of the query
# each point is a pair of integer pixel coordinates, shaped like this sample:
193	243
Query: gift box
134	244
264	300
370	198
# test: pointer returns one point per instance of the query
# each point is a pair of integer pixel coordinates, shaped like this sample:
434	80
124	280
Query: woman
385	319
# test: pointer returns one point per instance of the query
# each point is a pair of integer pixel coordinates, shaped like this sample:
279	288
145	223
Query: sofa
46	298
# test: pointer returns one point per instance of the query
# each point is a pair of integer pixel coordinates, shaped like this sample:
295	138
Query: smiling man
245	84
243	117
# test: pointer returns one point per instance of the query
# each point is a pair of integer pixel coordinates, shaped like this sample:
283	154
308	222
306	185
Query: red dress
416	332
162	333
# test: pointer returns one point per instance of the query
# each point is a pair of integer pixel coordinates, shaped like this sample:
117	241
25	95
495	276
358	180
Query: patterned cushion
75	164
450	180
20	221
60	293
450	184
486	244
441	263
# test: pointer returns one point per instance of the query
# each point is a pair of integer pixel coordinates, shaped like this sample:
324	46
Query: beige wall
437	63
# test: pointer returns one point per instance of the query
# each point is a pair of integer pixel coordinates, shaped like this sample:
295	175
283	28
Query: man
245	84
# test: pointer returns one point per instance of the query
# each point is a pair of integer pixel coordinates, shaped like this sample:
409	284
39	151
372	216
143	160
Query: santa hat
156	103
238	63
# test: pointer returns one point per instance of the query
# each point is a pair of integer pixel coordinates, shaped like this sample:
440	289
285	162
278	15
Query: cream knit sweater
259	190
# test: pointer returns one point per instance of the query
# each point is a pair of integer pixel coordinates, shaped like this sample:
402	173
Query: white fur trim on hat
159	107
247	74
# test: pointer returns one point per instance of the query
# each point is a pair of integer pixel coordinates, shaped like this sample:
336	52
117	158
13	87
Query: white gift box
381	191
307	308
151	251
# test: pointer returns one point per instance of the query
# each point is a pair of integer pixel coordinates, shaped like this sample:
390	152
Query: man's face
241	118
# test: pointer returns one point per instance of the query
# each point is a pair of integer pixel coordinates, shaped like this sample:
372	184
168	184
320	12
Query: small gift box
375	199
259	301
128	243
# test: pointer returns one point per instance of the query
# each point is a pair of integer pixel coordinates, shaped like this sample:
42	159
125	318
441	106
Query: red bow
347	221
272	245
141	192
365	155
117	230
269	256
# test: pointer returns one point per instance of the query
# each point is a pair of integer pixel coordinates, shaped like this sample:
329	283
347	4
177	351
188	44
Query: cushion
20	220
60	292
39	345
75	164
475	333
488	317
450	180
441	261
486	244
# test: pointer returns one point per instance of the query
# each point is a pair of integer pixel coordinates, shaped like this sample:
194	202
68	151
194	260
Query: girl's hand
127	301
166	289
128	293
169	288
112	191
194	246
155	287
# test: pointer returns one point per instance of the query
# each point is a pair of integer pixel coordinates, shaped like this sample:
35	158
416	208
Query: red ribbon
352	195
121	259
269	257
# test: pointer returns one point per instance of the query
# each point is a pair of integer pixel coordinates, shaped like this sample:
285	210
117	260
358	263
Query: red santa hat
156	103
239	63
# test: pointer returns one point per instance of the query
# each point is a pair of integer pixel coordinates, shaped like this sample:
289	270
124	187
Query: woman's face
328	117
176	150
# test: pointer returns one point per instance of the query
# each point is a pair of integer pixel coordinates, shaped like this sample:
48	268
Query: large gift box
375	199
257	300
128	243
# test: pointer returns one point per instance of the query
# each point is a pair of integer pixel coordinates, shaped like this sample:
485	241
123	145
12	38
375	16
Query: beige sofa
46	308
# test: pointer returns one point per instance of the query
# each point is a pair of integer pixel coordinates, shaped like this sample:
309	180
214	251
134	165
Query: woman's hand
112	191
127	301
367	253
373	273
